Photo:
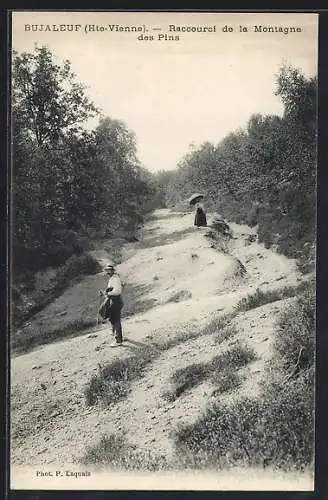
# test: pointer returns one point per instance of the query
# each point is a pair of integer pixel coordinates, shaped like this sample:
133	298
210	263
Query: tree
66	180
263	174
47	101
299	96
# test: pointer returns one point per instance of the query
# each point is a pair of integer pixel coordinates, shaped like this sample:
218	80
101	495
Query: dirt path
188	283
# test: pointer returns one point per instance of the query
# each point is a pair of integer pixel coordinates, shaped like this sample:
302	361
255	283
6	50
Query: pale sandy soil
51	424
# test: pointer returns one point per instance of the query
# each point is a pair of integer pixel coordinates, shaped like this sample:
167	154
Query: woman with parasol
200	216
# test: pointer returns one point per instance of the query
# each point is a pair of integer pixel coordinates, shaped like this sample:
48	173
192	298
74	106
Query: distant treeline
68	182
264	174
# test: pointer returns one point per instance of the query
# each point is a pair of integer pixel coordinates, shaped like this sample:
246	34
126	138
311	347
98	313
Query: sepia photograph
163	250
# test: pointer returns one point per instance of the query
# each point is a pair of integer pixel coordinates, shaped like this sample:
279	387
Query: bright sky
174	93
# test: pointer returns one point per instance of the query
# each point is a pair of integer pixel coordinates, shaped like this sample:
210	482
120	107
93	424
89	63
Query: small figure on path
115	303
200	216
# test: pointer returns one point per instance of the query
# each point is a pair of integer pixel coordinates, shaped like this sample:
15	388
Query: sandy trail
190	283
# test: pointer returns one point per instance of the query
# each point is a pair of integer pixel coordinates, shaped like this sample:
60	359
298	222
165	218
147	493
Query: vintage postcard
163	250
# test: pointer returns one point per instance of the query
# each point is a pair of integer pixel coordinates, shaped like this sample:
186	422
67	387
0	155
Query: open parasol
194	198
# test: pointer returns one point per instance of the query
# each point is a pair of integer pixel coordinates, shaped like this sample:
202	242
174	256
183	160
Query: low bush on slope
43	291
222	371
278	428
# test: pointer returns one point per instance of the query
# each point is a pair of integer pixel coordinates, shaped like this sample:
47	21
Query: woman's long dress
200	217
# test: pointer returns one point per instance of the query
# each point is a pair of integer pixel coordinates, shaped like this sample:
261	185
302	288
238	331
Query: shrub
234	358
112	382
226	381
62	245
291	233
295	338
226	333
221	371
221	227
188	377
77	266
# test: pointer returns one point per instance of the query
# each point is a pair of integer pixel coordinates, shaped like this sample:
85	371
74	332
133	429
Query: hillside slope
188	286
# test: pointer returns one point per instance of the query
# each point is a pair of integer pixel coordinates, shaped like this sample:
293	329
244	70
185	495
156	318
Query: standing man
113	291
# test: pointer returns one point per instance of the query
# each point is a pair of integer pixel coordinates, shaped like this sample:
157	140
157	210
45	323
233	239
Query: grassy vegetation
219	234
276	429
218	371
295	236
36	294
273	430
113	450
251	432
295	339
218	324
33	291
185	379
26	340
292	235
260	297
113	381
45	332
234	358
225	333
226	381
